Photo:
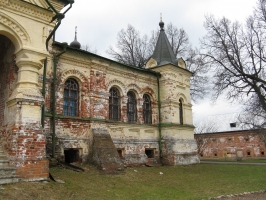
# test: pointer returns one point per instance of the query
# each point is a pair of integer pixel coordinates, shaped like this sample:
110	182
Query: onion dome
75	44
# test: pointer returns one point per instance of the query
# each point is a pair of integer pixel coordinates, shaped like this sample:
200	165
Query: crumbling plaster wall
23	138
179	146
233	144
133	140
95	78
175	85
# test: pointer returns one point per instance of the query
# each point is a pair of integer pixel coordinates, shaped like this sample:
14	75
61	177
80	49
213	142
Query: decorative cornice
15	26
28	9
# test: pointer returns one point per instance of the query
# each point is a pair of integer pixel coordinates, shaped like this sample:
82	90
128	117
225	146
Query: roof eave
80	51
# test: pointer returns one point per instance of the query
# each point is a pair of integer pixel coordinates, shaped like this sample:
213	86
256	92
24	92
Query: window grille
131	107
181	112
71	98
114	104
147	109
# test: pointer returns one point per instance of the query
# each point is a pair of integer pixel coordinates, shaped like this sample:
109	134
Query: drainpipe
159	113
43	90
58	16
56	56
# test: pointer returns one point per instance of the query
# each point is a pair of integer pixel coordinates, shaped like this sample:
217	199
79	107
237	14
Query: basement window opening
149	153
120	153
232	125
71	155
248	153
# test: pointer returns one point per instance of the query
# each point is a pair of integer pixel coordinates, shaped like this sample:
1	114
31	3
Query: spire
163	52
75	43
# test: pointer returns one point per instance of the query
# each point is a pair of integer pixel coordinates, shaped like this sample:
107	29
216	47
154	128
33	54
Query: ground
201	181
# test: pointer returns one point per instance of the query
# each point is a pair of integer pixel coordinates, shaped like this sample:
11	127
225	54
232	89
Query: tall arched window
71	94
181	112
146	109
114	104
131	107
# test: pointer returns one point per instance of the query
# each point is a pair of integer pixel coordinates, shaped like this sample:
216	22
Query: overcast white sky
99	22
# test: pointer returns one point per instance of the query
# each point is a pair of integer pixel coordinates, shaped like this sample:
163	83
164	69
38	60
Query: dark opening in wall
120	153
232	125
215	154
71	155
201	155
248	153
262	153
149	153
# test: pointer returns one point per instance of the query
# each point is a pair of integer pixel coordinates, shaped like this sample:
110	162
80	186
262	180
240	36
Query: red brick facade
231	144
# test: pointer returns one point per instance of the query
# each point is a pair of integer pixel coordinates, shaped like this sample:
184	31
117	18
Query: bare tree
88	48
131	49
202	135
178	39
134	50
236	53
199	81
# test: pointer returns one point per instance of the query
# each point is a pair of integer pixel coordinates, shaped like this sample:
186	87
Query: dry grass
180	182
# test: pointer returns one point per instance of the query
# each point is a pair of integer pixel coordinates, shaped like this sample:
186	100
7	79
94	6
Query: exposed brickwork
133	150
70	133
233	144
33	170
95	78
104	153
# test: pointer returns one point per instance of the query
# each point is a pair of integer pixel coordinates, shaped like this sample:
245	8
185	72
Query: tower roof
75	43
163	52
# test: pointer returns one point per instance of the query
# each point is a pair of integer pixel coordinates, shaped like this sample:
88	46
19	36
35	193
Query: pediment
151	63
181	63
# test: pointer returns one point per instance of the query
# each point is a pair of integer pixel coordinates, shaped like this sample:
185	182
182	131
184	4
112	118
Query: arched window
146	109
114	104
131	107
181	112
71	92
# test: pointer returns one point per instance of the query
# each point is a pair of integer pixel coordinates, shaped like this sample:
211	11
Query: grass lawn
179	182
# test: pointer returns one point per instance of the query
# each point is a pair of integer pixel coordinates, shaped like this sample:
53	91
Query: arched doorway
8	74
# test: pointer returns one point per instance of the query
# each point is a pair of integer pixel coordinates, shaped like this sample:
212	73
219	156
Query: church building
59	101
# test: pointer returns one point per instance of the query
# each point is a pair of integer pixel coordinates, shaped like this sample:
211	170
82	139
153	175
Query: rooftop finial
161	24
75	43
76	32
